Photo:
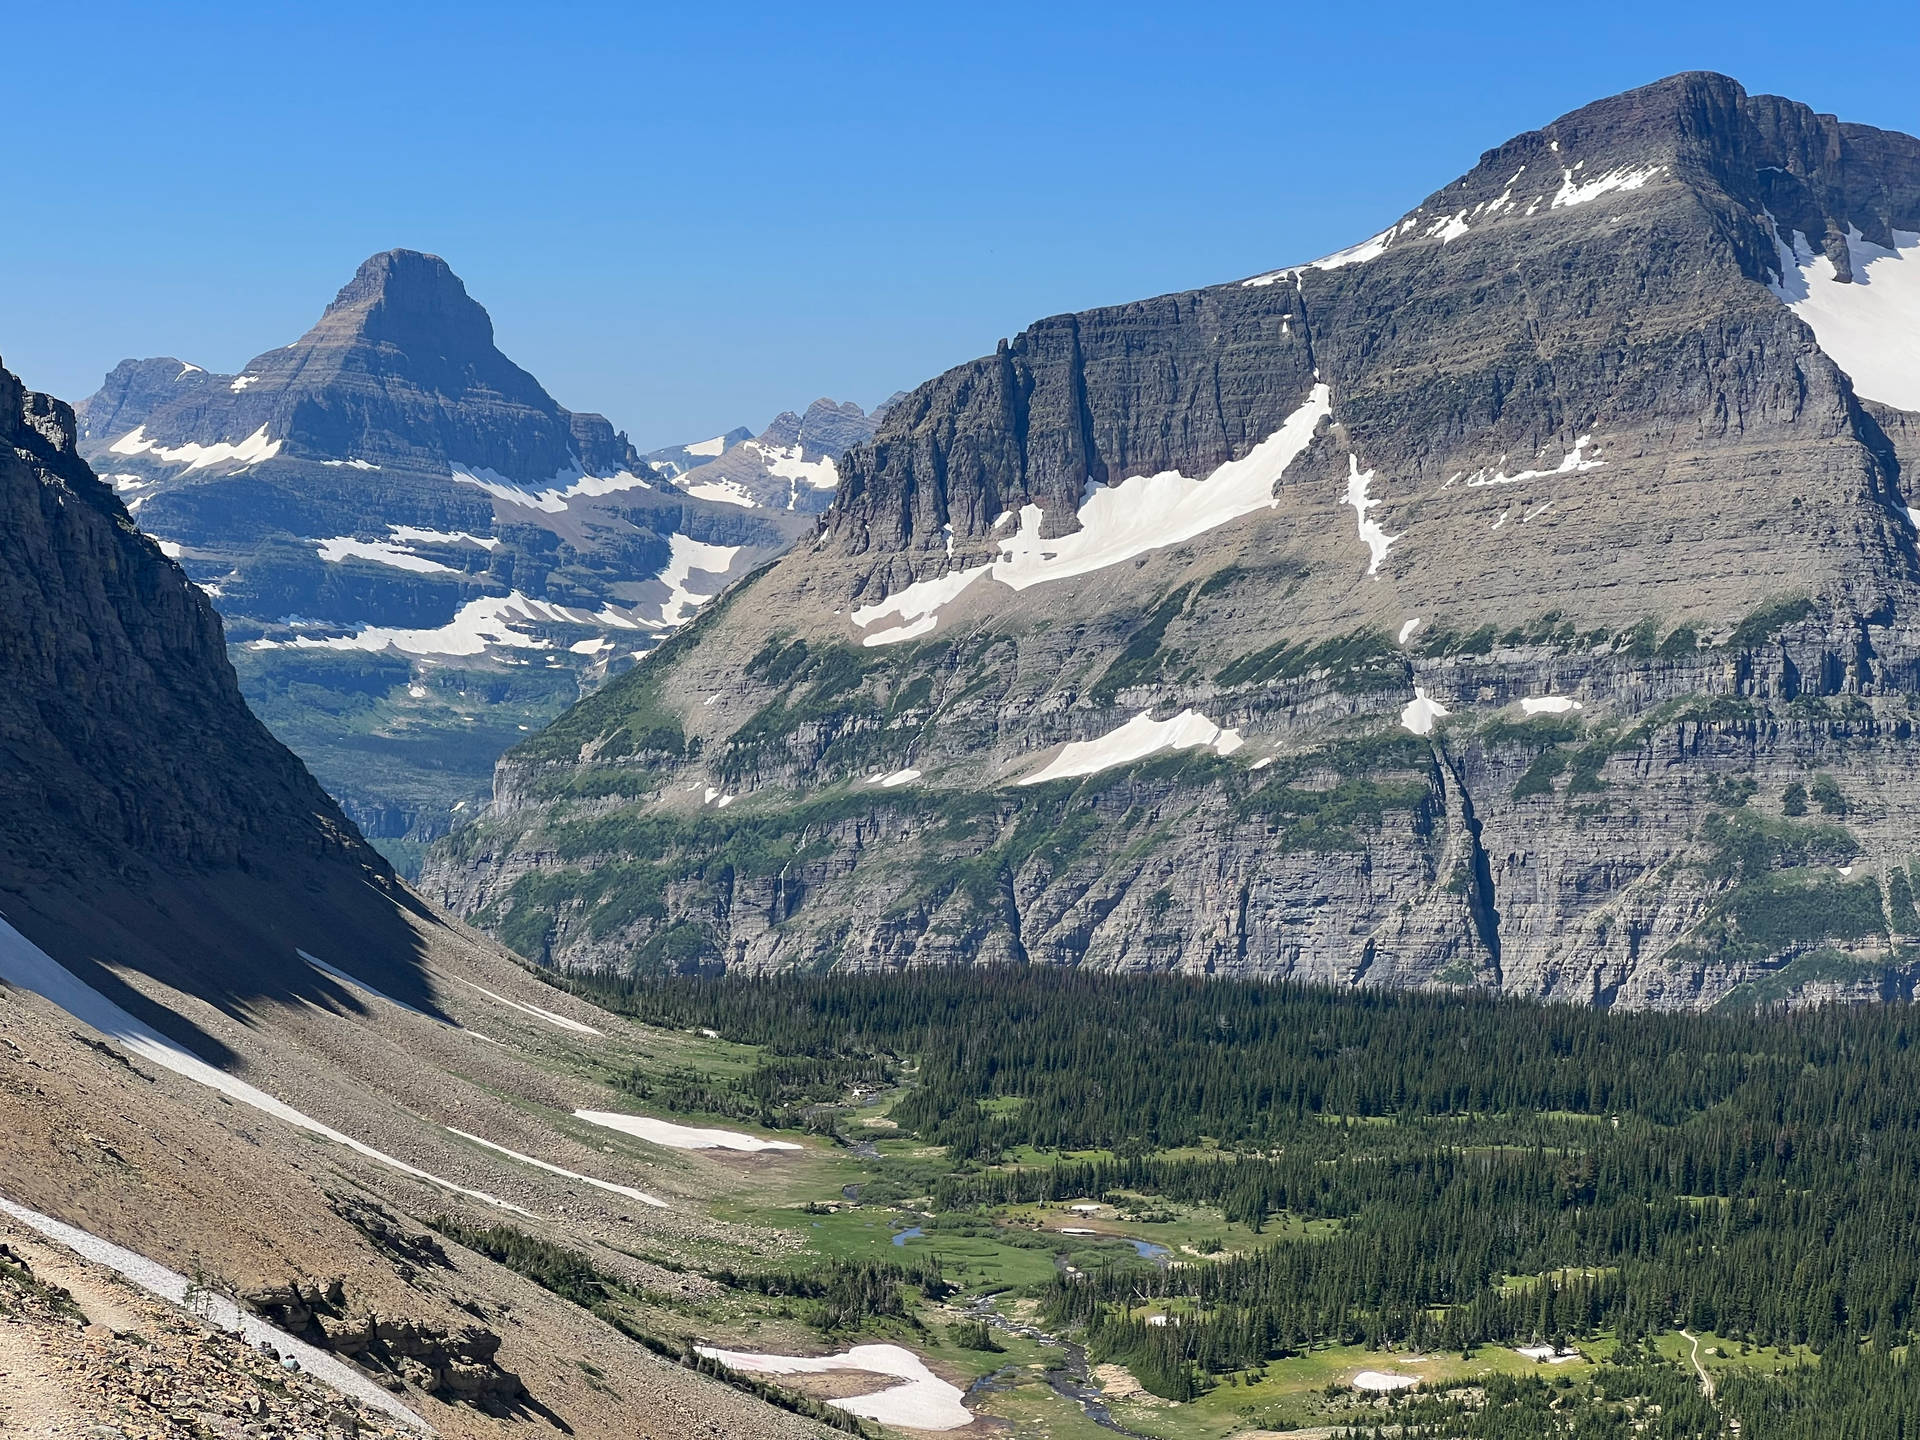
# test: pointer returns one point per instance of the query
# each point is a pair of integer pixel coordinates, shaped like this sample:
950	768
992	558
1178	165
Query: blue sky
690	217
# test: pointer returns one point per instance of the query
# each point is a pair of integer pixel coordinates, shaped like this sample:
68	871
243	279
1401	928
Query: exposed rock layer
1575	451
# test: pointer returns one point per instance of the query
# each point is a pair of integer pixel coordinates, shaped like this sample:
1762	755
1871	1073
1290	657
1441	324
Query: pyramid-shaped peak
405	297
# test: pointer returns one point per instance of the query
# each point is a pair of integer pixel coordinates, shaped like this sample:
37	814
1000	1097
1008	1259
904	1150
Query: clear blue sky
692	216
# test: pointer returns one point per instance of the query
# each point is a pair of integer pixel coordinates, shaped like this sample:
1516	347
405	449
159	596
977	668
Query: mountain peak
410	299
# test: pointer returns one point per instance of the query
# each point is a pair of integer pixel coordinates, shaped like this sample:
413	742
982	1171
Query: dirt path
32	1400
1706	1380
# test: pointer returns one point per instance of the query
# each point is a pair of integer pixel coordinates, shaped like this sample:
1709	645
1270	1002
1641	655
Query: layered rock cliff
127	740
1522	598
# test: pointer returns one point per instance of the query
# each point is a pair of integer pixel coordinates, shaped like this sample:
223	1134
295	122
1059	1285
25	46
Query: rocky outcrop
461	1364
126	738
1498	591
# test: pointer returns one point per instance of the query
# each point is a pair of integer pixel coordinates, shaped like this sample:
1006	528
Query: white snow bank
1572	463
679	1137
250	451
1353	255
1871	328
558	1021
169	1285
707	447
410	534
626	1190
27	966
353	464
1625	178
684	558
924	1402
1377	541
241	382
898	777
1379	1380
1548	705
1406	630
1420	712
381	552
552	497
487	620
722	492
1117	523
789	462
1547	1353
1136	740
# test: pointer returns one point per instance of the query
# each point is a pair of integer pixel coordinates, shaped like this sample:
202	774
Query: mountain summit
419	553
401	369
1477	606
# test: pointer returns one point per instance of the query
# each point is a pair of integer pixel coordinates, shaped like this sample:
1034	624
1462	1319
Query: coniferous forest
1487	1171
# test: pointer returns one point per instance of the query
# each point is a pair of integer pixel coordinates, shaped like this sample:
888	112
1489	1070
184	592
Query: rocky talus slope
242	1066
420	555
1523	599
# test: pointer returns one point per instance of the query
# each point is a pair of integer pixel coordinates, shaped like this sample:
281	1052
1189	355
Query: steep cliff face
126	737
420	554
1479	605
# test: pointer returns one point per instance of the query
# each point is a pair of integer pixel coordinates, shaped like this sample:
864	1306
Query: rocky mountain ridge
1478	606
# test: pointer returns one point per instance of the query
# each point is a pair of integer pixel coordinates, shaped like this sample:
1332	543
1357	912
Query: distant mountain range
790	465
419	554
1524	599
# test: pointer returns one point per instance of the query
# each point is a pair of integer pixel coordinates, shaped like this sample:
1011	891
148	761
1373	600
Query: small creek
1072	1382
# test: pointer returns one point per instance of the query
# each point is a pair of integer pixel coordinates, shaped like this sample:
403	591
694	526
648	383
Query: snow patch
1377	541
1406	630
1625	178
413	534
1353	255
1548	705
714	446
1380	1380
1572	463
1117	523
722	492
684	558
250	451
790	463
1547	1353
1871	328
898	777
241	383
559	1022
486	621
354	464
1419	713
1136	740
924	1402
626	1190
680	1137
381	552
552	497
